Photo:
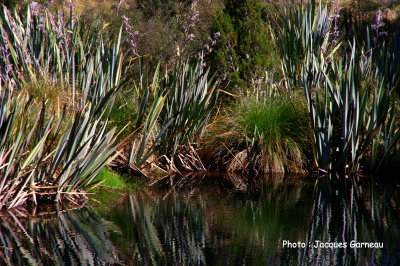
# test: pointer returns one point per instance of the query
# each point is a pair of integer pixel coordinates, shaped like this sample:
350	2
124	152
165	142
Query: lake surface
215	220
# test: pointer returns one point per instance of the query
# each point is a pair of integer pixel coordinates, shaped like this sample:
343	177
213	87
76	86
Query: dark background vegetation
245	49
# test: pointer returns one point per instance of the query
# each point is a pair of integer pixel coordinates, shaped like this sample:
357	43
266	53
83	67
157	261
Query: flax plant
350	99
351	110
301	30
40	46
17	169
179	106
191	98
46	155
44	160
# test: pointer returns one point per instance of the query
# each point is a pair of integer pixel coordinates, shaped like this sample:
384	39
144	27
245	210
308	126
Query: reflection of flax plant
168	230
339	217
75	237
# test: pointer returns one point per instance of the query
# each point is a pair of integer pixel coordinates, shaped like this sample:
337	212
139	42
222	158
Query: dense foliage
302	83
244	51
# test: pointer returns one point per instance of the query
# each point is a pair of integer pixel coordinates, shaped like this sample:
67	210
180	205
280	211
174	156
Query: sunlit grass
110	179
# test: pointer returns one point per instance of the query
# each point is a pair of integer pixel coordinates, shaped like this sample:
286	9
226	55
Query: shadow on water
216	220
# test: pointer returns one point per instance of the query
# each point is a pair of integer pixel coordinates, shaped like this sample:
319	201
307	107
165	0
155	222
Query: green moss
110	179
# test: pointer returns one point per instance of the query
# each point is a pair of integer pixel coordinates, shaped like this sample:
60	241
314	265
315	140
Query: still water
214	220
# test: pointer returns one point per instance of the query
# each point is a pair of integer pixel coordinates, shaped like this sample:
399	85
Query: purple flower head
39	12
5	55
52	21
42	25
125	20
61	29
132	40
35	8
71	4
191	21
378	25
378	21
208	48
334	18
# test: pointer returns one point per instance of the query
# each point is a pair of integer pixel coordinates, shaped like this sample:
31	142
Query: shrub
165	31
244	50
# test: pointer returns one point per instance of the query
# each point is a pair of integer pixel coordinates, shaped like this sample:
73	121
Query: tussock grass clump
261	136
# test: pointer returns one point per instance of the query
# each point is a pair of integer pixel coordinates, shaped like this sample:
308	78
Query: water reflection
75	237
202	221
357	211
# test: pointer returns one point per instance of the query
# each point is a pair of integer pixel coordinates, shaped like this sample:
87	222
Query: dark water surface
212	222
